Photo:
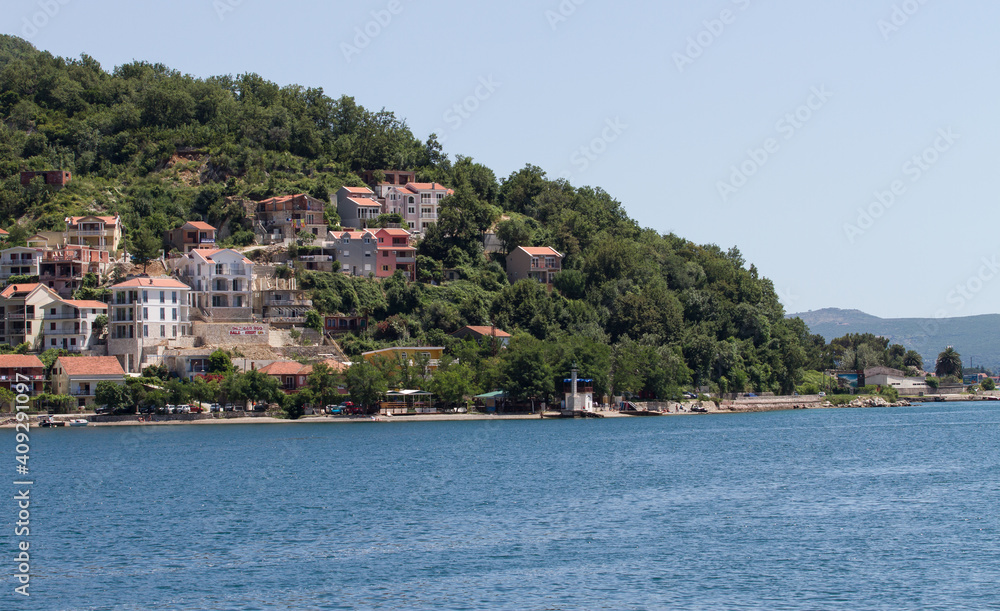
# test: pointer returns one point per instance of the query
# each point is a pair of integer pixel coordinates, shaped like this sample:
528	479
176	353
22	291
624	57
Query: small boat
50	422
78	422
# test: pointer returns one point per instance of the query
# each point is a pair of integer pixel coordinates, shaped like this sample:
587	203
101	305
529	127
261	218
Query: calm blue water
850	509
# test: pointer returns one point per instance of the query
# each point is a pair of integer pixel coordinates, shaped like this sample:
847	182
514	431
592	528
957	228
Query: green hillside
638	310
974	337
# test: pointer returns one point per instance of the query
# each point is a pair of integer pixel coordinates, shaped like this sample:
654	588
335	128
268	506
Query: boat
78	422
50	422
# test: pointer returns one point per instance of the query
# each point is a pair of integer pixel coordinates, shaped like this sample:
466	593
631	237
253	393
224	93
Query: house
146	313
55	178
428	357
221	281
69	324
78	376
283	218
22	369
342	323
64	269
357	206
357	251
418	203
279	300
395	254
21	308
391	178
540	264
192	235
479	332
19	261
291	375
97	232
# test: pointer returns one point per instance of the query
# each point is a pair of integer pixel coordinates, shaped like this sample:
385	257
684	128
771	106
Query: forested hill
638	310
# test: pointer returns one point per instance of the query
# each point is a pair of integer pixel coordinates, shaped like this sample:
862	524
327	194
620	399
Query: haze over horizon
840	147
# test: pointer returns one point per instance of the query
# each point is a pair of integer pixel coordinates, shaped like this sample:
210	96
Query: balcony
63	332
81	392
60	316
20	378
406	259
428	216
89	232
271	301
206	240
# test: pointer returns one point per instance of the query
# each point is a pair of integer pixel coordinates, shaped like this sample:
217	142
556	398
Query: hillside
974	337
638	310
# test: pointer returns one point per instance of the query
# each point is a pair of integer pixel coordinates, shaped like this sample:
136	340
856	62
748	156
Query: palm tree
949	363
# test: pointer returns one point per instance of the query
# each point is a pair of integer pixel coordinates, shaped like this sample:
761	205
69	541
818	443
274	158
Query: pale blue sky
661	139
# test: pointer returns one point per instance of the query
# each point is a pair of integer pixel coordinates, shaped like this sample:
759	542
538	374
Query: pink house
395	253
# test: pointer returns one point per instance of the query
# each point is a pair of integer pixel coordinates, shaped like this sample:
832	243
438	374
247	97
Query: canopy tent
407	402
490	400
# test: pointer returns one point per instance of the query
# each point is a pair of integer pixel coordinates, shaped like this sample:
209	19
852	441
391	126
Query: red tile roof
108	220
358	189
394	232
200	225
427	186
283	368
160	283
4	232
207	253
20	360
90	365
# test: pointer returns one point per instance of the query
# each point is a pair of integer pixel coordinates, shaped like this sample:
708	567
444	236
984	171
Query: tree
988	384
366	383
512	233
252	386
100	324
112	394
314	321
220	363
145	247
526	371
452	383
912	358
949	363
323	381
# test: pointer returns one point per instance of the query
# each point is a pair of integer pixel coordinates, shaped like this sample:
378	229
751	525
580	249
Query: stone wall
231	334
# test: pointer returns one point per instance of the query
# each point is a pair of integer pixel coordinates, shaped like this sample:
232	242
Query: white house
69	324
20	261
78	376
146	313
221	281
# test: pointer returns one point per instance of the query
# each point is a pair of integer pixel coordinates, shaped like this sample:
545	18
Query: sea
887	508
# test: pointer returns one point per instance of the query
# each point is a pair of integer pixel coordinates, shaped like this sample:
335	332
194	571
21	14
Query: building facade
192	235
146	313
357	207
63	270
394	253
221	282
283	218
78	376
540	264
96	232
20	261
22	369
357	252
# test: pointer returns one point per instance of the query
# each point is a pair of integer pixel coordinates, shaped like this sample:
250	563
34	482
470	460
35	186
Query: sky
844	147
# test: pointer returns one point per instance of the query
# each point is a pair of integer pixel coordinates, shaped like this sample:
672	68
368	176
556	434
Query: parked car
103	409
690	395
214	407
334	409
229	407
195	408
148	409
170	408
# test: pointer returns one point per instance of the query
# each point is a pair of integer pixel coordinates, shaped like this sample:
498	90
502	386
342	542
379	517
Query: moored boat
78	422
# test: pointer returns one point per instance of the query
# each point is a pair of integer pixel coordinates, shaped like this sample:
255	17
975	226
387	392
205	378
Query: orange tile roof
160	283
334	365
485	331
427	186
358	189
394	232
363	202
541	251
200	225
283	368
207	253
20	360
19	288
90	365
4	232
85	303
108	220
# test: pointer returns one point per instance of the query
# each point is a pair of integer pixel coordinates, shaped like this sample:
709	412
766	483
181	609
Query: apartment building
221	281
418	203
357	207
96	232
146	313
21	312
64	269
22	369
357	252
282	218
395	254
69	324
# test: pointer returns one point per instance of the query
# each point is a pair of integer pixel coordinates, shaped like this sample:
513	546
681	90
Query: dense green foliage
640	312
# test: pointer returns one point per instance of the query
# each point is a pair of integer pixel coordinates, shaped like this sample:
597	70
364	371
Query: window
145	313
412	211
425	197
173	331
440	195
368	240
173	311
53	342
145	296
174	296
163	330
52	326
385	268
52	311
145	330
162	300
163	313
385	253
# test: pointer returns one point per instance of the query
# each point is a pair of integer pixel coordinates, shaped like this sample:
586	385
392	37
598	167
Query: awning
497	394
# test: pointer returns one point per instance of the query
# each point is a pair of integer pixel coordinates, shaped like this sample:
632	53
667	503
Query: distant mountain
974	337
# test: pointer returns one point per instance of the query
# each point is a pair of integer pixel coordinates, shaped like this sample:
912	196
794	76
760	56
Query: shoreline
729	407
